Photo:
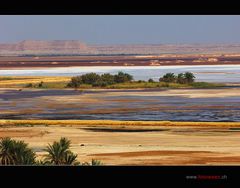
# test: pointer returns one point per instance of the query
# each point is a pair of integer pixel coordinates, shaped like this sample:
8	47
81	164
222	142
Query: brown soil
152	153
31	62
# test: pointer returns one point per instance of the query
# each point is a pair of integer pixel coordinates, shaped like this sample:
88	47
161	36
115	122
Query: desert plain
139	126
127	141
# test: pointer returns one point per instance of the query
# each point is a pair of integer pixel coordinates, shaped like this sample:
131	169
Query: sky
117	29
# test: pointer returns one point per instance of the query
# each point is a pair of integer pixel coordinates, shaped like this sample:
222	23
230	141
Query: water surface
206	73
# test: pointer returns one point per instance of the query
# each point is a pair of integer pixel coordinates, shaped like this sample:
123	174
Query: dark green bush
150	80
90	78
169	77
29	85
75	82
122	77
99	80
181	78
107	78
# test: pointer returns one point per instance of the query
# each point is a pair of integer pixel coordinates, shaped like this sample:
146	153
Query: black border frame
159	176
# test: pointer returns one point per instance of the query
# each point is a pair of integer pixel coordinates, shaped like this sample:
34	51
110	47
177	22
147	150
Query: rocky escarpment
70	47
46	47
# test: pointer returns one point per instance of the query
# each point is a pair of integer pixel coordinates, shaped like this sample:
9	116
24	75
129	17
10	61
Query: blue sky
122	29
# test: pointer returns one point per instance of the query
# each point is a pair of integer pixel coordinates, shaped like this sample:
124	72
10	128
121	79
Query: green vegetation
94	162
107	81
122	77
99	80
169	77
14	152
59	153
47	85
144	84
125	81
205	85
151	80
182	78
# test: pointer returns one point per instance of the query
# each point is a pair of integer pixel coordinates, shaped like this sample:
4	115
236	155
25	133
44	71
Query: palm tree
96	162
23	154
71	159
14	152
59	153
169	77
6	157
189	77
181	78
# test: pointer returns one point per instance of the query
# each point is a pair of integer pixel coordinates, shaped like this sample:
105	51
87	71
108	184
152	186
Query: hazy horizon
194	43
159	29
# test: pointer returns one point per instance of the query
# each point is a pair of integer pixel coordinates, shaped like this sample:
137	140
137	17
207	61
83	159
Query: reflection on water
208	73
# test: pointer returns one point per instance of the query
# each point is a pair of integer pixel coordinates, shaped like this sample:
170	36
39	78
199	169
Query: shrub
96	162
75	82
97	80
100	83
90	78
169	77
40	84
29	85
150	80
122	77
165	84
107	78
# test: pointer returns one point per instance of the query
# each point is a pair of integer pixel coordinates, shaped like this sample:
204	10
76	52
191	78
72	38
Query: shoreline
97	123
116	66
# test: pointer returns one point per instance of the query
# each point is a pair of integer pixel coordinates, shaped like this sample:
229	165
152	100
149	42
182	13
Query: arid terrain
127	142
160	60
145	124
75	47
66	53
165	144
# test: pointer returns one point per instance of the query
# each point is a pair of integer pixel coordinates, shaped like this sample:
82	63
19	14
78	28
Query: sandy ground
191	93
164	146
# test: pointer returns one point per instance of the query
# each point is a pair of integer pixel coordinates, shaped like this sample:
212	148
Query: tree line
99	80
13	152
181	78
106	79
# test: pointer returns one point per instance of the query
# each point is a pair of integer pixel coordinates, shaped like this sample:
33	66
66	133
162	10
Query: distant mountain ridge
45	47
68	47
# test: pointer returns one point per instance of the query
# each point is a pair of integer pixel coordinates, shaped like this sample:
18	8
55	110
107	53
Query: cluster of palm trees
13	152
181	78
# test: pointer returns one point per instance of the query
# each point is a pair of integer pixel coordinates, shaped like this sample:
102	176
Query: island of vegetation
120	80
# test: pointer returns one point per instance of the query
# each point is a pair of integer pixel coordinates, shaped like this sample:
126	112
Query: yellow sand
113	122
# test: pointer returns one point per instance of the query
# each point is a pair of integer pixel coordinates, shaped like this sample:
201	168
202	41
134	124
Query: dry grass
17	81
114	123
